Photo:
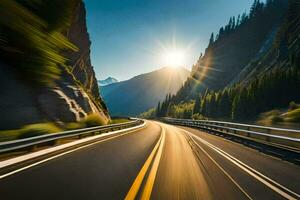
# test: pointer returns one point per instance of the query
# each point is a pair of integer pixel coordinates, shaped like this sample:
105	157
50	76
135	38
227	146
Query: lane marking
151	178
135	187
64	153
255	174
222	169
22	158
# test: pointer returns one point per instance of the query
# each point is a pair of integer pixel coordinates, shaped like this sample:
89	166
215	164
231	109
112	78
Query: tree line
241	102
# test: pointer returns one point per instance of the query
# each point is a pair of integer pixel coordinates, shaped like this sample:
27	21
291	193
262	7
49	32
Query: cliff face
80	61
73	96
81	68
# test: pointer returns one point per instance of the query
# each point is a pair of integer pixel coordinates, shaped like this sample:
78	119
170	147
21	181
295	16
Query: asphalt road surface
157	162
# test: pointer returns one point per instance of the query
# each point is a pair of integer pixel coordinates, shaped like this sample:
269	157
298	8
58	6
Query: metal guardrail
278	137
44	139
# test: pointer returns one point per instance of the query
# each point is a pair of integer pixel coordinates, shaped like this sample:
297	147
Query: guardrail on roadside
279	137
32	142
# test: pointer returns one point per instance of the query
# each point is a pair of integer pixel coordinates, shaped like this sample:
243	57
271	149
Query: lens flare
174	58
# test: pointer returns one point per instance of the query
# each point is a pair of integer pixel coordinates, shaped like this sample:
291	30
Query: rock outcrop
74	96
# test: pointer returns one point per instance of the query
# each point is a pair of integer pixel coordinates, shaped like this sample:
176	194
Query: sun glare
174	58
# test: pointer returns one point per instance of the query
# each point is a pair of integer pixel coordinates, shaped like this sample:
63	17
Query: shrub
276	119
37	129
293	106
9	135
74	125
93	120
198	116
118	121
293	116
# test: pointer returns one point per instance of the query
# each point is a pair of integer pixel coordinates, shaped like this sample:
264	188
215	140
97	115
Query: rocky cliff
72	97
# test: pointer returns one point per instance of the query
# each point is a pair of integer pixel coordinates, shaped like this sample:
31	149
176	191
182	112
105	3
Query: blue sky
128	36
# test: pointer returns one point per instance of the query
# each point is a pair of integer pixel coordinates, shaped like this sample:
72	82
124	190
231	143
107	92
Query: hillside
251	67
142	92
238	43
45	69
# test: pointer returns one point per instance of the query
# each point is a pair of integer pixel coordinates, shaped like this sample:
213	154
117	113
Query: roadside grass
92	120
292	116
32	130
289	118
29	131
118	121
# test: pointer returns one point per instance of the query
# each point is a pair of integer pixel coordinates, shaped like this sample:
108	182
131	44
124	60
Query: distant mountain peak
107	81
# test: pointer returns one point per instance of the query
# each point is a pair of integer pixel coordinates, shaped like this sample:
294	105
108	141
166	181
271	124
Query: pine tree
158	110
212	39
197	105
238	22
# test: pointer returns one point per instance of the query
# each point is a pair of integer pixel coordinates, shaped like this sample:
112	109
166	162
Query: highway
160	161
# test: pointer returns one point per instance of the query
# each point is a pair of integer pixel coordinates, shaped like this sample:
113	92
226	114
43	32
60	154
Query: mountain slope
107	81
284	52
223	87
142	92
238	43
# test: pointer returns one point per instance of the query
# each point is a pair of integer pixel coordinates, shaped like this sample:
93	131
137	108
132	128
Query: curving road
159	161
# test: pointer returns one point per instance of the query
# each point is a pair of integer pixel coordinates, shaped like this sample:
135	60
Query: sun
174	58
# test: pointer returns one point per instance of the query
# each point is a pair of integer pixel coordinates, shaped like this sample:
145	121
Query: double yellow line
156	155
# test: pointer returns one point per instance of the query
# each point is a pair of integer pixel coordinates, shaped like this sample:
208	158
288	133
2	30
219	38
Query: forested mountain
251	67
242	39
45	69
131	97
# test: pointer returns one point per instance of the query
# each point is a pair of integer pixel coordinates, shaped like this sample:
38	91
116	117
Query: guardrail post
248	134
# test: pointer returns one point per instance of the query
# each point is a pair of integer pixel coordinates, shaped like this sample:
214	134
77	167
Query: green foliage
30	130
242	102
31	37
197	106
198	116
182	110
119	120
74	125
276	119
226	55
8	135
37	130
293	106
293	116
274	80
93	120
280	117
150	114
163	108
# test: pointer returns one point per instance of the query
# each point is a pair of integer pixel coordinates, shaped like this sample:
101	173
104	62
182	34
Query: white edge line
240	165
13	161
221	168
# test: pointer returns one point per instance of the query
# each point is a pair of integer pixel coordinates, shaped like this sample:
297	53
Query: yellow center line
139	179
150	181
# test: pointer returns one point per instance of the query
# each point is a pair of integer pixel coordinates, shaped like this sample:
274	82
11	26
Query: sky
131	37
